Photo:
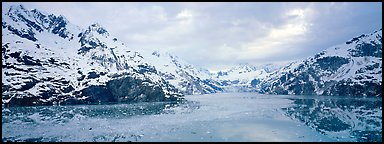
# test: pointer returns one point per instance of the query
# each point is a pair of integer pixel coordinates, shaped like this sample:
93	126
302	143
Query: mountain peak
16	9
98	28
379	32
358	38
35	21
242	67
96	25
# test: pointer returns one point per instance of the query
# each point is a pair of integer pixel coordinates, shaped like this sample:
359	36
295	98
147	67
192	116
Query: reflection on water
213	117
62	114
37	116
341	118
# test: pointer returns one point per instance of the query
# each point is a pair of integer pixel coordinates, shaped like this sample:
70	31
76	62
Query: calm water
214	117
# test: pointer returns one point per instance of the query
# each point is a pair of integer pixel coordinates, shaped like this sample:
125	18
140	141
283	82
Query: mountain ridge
48	60
53	61
352	68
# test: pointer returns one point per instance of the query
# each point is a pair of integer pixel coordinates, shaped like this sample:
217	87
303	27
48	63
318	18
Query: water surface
212	117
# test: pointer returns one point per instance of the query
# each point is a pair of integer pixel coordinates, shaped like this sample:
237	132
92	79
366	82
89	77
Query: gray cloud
218	35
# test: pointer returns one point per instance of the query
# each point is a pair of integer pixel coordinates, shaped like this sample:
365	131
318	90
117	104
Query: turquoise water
212	117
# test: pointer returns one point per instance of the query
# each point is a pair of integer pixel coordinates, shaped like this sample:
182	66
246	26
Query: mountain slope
47	60
350	69
184	76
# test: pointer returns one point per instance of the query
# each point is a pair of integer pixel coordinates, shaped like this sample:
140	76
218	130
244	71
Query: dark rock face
28	60
59	26
92	75
98	94
29	84
28	34
120	90
146	69
367	49
132	90
25	101
255	82
331	63
125	90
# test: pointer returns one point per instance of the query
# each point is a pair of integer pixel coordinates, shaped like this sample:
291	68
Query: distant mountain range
47	60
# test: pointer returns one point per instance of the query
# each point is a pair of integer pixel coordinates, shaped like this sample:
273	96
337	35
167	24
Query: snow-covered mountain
353	68
184	76
48	60
244	77
44	54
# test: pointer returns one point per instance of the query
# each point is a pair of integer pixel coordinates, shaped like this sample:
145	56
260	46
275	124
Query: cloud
279	40
218	35
184	14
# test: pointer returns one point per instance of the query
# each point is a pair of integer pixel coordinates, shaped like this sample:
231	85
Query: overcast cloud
218	35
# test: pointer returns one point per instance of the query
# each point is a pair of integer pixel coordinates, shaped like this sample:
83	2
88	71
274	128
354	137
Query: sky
219	35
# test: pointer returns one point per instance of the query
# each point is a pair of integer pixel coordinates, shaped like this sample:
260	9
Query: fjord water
212	117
